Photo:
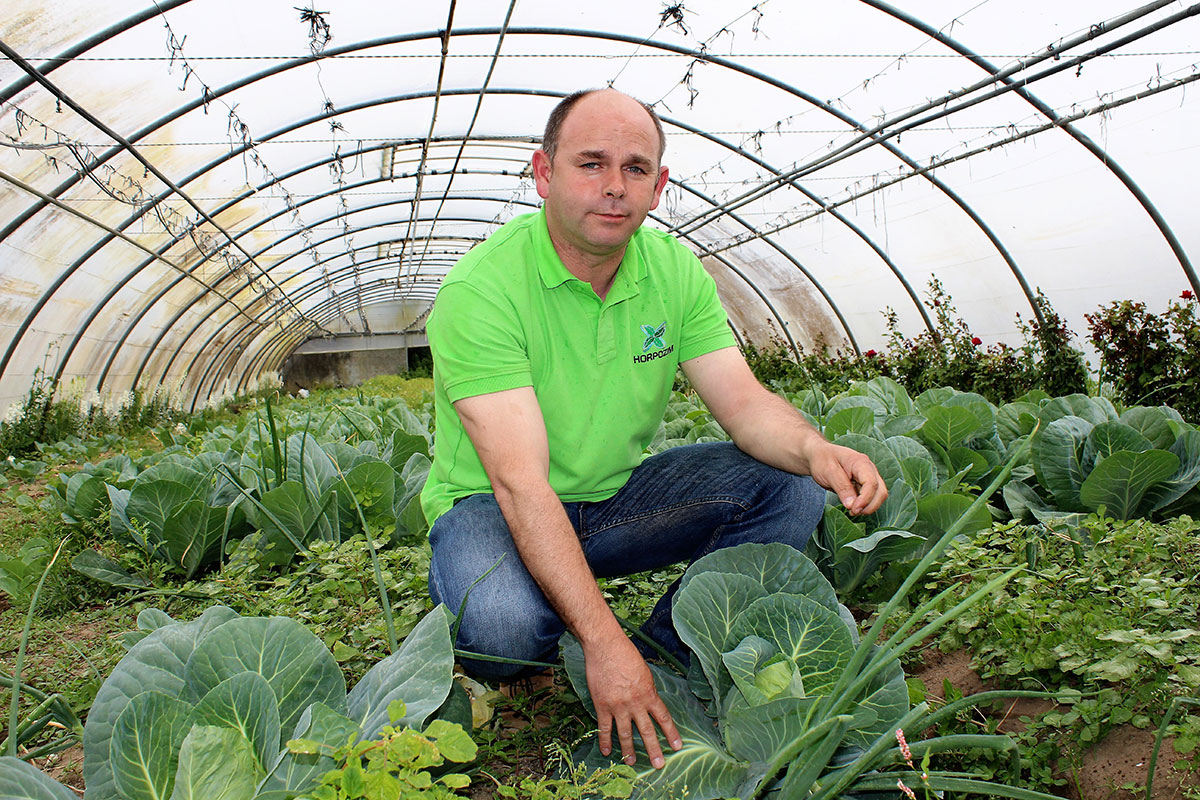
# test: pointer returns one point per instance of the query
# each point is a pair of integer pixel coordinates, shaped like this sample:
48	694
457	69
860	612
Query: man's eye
590	165
638	170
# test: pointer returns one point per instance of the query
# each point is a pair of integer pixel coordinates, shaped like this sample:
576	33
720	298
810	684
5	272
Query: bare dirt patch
66	767
1121	760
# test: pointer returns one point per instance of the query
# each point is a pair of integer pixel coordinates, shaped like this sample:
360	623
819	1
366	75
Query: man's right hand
623	694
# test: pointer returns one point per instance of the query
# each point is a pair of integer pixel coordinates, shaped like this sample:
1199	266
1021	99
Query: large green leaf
759	733
1151	423
419	673
776	567
887	391
1014	420
192	535
290	513
373	484
856	421
308	464
887	696
1109	437
1094	410
1058	459
972	464
862	558
295	773
704	611
920	475
1022	499
144	749
105	570
20	780
701	770
903	425
296	665
898	511
216	763
1187	477
118	519
245	703
813	639
978	405
845	401
932	398
1121	481
151	502
87	497
880	454
156	663
936	513
949	426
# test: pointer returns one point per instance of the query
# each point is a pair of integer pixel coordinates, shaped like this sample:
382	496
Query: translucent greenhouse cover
190	190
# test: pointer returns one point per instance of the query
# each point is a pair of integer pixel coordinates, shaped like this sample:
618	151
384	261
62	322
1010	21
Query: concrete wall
342	368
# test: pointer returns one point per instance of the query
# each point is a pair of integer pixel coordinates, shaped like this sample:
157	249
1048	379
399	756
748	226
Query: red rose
975	340
1187	295
870	354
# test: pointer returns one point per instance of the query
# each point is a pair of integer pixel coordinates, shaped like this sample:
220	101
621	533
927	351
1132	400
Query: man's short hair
559	115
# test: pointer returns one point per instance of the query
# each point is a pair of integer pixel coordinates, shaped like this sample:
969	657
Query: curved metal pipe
331	52
1079	136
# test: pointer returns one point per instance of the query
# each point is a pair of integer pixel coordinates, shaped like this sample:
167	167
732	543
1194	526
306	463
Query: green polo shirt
509	314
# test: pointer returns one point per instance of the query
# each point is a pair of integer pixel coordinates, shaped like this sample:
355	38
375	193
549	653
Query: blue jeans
677	506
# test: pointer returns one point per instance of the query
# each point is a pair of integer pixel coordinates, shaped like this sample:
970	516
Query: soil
1114	769
65	767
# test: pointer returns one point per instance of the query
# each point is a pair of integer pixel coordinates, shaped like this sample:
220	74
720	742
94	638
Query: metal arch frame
179	314
286	330
1079	136
234	338
716	140
375	102
226	356
96	39
221	209
128	146
315	282
284	333
332	52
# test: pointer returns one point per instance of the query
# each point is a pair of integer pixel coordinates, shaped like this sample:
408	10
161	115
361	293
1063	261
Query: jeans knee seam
735	501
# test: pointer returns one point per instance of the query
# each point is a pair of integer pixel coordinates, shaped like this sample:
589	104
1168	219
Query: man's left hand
850	475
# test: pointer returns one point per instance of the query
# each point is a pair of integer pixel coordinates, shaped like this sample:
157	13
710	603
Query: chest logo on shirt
654	345
654	337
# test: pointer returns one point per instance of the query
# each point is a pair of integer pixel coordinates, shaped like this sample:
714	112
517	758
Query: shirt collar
554	273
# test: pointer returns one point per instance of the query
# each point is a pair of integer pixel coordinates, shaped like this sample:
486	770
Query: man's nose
615	187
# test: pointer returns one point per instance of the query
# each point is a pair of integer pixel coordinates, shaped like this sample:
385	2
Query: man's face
605	176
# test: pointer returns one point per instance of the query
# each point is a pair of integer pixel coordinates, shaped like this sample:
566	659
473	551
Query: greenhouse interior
954	243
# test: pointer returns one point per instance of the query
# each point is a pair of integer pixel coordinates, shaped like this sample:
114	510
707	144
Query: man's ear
541	173
658	187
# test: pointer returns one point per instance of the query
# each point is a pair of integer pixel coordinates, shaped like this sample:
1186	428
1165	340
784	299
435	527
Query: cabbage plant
1144	462
204	709
782	698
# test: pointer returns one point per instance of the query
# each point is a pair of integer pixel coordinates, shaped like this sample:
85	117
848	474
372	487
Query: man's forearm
551	552
772	431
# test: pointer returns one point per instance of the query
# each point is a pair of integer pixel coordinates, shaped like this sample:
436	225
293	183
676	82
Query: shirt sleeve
705	323
478	343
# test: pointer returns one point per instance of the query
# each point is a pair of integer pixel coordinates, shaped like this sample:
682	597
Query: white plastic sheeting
827	161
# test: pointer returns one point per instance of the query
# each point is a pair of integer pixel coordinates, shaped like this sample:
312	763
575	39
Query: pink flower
911	794
1187	295
975	340
904	751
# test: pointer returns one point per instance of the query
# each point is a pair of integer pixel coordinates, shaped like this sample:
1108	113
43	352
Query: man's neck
597	271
